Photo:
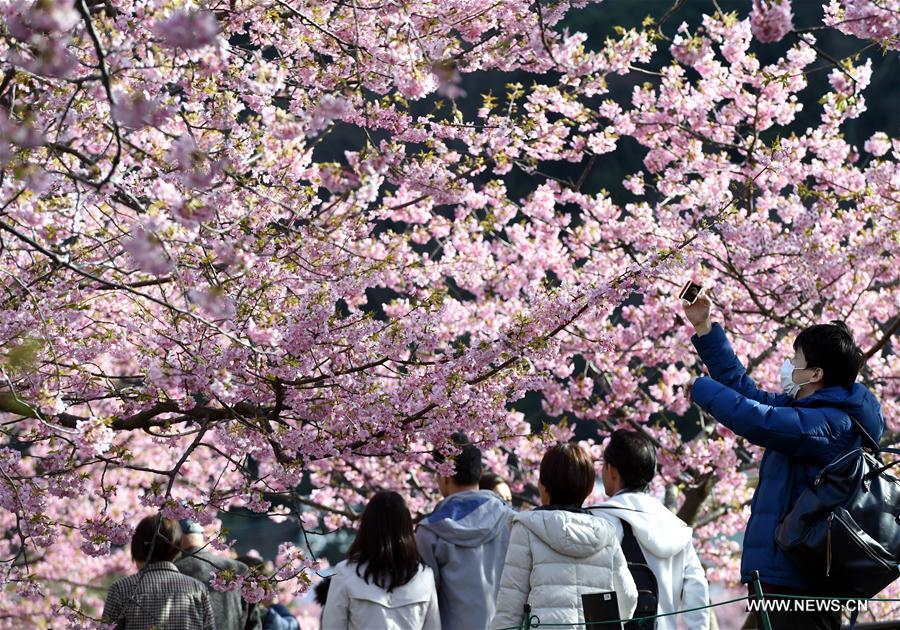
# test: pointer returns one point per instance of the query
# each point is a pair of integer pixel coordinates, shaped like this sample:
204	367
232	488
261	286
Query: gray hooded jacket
464	542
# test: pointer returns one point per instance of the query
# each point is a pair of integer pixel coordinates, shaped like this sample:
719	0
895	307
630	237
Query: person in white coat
559	551
629	465
383	583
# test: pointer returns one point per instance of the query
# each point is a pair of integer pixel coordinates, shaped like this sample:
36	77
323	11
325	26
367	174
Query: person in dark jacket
802	430
232	612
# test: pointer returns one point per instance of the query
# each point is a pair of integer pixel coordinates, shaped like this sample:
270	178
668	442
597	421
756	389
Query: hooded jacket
464	542
800	437
354	604
555	556
666	542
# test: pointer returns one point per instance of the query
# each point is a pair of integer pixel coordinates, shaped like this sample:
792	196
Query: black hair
468	467
831	348
156	539
385	543
567	473
634	456
489	481
321	591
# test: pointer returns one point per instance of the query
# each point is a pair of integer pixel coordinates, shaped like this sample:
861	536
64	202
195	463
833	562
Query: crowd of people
172	588
475	562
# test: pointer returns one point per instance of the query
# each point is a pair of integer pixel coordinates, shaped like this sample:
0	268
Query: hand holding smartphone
690	292
697	306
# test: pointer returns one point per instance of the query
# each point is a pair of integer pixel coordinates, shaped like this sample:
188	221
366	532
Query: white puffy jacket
354	604
554	557
666	542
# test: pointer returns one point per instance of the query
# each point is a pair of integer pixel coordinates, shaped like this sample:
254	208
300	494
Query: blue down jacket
800	438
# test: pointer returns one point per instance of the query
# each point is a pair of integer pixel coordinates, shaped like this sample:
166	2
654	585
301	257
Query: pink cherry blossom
25	19
771	20
878	145
146	249
138	110
250	261
867	19
188	30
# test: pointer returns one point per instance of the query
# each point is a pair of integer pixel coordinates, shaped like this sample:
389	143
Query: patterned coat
158	596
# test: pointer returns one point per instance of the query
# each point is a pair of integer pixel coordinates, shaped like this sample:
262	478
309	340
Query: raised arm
719	357
795	431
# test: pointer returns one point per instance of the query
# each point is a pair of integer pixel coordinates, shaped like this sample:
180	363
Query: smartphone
690	292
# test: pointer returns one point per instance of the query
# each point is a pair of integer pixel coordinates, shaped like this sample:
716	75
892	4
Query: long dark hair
385	543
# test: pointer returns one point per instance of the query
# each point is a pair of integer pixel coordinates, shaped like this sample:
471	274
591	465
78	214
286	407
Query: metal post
763	613
526	625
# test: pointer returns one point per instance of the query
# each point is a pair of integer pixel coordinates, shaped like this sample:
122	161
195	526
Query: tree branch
884	339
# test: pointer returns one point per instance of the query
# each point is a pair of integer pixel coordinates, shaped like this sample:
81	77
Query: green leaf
23	356
11	403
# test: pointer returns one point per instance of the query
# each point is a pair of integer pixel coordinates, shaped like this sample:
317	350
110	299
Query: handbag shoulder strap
605	506
875	446
865	434
630	547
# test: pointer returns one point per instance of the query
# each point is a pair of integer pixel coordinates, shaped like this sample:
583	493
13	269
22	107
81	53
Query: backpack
644	579
641	573
844	531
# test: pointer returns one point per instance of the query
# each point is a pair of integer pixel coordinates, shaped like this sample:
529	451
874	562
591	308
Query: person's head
629	462
825	355
566	475
385	542
467	468
191	534
155	539
494	482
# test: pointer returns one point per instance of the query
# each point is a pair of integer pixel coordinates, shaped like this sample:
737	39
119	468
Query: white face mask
787	379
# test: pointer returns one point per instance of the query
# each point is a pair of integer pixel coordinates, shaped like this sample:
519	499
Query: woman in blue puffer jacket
802	430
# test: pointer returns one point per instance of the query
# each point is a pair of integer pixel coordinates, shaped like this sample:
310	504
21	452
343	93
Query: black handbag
643	576
844	531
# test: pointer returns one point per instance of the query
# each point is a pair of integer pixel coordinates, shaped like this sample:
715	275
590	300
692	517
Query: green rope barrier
532	621
763	613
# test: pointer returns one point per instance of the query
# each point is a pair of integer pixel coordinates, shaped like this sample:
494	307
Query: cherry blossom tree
251	244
